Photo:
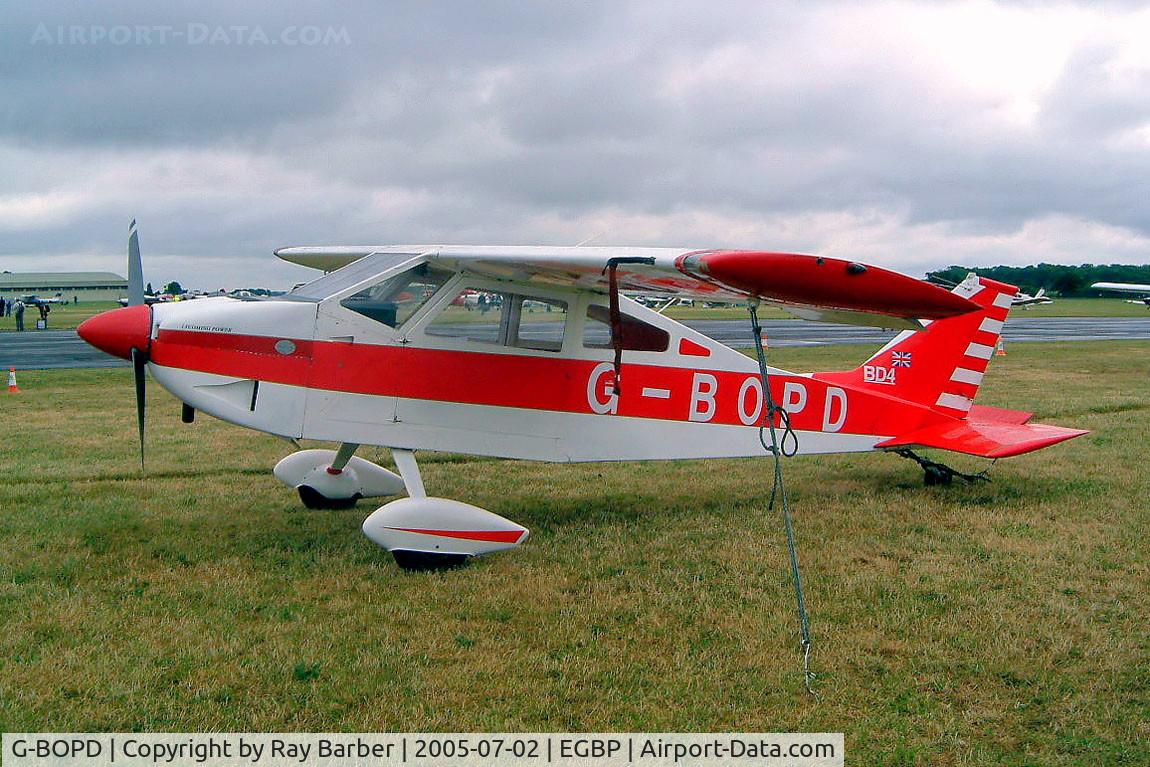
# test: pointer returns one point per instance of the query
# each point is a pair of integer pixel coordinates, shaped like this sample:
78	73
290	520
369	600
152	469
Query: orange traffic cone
12	387
766	345
1001	350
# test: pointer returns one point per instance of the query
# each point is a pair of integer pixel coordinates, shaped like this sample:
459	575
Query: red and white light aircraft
564	369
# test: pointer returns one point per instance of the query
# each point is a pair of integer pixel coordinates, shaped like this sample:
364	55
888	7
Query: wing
1121	287
811	287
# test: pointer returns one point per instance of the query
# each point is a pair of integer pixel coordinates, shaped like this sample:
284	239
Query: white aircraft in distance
1127	287
163	298
1025	300
377	351
34	300
149	299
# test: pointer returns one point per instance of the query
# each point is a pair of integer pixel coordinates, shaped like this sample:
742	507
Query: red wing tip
825	282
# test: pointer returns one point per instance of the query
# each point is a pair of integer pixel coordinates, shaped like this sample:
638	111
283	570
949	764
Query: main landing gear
421	532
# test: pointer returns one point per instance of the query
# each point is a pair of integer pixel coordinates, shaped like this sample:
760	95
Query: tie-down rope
787	446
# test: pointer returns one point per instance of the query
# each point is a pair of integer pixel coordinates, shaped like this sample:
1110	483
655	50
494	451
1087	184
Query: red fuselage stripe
495	536
520	381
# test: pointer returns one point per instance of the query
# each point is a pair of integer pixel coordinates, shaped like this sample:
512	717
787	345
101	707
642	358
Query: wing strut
616	316
779	448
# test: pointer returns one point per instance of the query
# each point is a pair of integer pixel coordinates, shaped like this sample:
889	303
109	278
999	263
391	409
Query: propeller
139	364
135	268
139	356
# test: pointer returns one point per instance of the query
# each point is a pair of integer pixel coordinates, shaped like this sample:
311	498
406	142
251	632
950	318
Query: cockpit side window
393	301
478	315
473	315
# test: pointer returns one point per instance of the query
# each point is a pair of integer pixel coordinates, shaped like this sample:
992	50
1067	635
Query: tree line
1058	279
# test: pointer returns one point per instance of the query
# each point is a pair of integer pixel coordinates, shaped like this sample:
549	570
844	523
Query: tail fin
941	366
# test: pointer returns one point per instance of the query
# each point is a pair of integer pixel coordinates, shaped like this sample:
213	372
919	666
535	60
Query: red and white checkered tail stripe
957	395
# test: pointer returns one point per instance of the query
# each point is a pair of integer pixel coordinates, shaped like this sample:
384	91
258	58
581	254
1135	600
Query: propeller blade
139	362
135	268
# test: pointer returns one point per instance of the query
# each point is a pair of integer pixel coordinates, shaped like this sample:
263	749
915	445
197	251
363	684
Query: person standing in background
19	311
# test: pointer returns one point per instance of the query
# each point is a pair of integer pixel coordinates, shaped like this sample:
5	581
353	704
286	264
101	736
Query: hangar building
85	286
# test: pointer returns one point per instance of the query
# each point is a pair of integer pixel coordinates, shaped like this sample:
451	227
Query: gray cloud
810	126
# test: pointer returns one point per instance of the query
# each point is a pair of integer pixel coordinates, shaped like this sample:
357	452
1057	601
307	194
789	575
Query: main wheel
314	499
420	561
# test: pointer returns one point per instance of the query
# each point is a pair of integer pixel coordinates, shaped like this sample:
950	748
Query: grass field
1001	623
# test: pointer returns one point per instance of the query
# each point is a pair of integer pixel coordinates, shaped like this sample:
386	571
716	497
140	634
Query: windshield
394	300
352	274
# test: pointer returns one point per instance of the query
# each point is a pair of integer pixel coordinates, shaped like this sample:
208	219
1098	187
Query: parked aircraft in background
149	299
163	298
1025	300
373	353
1127	287
34	300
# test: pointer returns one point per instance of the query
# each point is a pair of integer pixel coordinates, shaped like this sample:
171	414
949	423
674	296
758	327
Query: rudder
942	365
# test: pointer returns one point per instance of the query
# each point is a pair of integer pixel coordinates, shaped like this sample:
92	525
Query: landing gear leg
935	473
425	533
419	560
409	470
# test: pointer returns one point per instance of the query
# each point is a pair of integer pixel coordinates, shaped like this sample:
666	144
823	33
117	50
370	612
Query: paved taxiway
44	349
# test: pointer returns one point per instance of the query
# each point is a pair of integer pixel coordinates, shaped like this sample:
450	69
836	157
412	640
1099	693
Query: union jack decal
900	359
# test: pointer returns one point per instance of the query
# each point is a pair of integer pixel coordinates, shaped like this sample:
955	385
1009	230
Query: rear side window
638	336
393	301
536	323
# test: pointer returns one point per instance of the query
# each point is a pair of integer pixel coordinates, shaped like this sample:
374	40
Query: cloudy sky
912	135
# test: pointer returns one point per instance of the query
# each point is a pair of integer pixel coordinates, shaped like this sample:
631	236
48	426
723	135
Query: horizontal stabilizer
986	414
989	439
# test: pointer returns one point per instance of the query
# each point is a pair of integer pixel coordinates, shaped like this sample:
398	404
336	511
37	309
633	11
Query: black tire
313	499
937	476
424	561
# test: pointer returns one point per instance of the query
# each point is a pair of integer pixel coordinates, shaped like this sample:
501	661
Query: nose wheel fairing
325	484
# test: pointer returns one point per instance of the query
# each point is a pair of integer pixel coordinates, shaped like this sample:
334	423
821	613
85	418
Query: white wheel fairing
359	477
441	526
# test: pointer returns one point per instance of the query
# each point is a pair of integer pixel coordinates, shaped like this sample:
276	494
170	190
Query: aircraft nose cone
119	331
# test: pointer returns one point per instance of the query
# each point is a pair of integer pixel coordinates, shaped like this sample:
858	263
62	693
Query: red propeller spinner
119	331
